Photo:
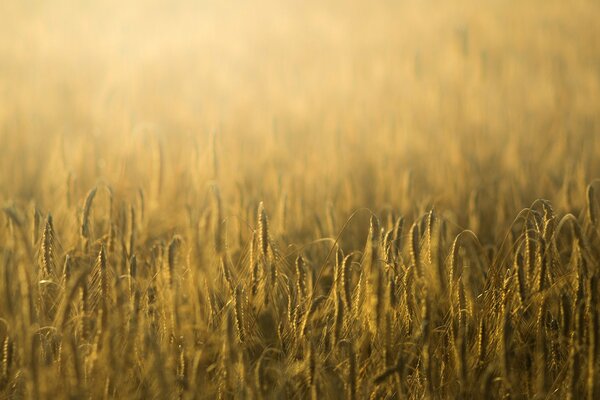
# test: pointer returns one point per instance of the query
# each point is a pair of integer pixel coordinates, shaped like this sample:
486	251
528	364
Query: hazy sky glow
217	58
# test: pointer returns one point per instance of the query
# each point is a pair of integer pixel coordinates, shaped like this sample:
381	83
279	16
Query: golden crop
317	199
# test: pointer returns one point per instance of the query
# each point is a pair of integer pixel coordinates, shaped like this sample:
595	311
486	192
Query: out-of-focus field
282	199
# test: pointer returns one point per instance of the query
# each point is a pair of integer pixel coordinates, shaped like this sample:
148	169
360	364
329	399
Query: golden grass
340	200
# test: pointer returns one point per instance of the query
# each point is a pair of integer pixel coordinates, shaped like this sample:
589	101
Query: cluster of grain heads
423	313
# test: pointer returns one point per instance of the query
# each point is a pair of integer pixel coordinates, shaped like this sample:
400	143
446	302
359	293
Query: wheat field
299	200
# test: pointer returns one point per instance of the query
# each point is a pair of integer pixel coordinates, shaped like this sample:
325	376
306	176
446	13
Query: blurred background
462	105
